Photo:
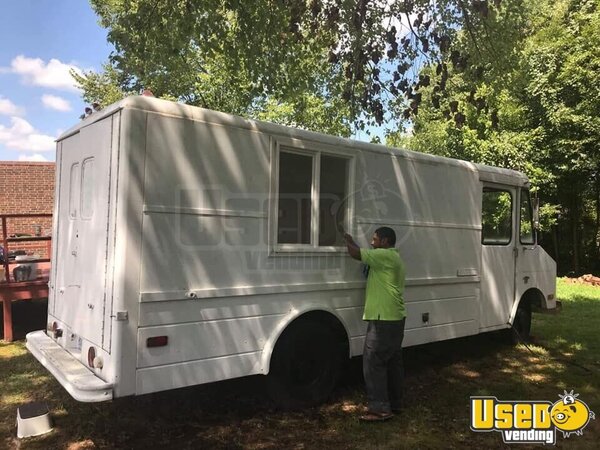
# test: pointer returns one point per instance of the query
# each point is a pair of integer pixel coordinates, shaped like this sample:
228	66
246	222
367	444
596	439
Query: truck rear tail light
56	332
98	362
157	341
91	356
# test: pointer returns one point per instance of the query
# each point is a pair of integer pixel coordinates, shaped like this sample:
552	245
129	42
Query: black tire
305	365
521	327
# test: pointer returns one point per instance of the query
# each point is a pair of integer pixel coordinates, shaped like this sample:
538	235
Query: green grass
440	378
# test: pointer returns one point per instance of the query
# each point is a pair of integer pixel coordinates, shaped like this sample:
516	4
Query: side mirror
536	213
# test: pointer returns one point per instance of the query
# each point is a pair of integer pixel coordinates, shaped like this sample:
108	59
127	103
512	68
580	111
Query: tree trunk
574	234
597	225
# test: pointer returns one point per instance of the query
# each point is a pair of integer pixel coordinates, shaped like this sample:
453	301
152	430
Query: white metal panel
498	276
433	253
203	309
111	230
160	378
56	223
96	155
220	327
127	251
203	340
396	190
82	232
441	311
227	252
436	333
535	270
207	202
216	230
193	164
193	197
65	281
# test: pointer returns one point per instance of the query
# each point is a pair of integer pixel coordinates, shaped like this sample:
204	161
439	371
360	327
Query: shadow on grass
233	414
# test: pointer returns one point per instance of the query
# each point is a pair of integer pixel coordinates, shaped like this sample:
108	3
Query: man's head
383	237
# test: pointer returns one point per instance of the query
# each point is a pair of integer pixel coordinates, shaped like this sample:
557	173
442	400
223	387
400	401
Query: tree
103	88
363	53
563	61
504	82
538	114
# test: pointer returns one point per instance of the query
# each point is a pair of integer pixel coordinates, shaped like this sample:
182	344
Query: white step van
192	246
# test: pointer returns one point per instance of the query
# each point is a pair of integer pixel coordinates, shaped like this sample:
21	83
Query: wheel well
307	360
531	298
320	319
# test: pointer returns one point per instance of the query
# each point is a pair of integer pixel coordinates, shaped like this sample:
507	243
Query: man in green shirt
385	315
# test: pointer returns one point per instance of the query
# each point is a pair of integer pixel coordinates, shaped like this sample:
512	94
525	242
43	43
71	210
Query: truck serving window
87	189
312	198
332	194
526	219
295	185
73	189
496	217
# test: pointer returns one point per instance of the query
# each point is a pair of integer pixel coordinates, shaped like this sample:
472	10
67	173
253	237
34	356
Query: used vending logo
532	422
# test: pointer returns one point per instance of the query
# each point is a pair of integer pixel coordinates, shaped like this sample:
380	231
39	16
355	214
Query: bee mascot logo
570	415
533	422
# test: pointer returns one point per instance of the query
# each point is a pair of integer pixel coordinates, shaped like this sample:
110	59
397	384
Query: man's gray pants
382	364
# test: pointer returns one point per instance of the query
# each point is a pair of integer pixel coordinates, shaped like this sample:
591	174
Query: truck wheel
305	366
521	328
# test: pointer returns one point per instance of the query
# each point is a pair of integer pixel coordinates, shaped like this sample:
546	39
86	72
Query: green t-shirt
385	284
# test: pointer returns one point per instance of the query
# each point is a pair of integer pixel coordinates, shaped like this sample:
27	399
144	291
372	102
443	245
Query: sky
40	41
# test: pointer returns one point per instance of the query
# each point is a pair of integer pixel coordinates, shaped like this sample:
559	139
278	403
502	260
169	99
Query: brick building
27	188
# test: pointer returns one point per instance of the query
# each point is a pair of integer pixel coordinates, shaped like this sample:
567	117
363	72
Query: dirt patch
83	445
587	279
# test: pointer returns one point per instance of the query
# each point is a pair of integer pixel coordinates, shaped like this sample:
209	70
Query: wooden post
7	310
5	245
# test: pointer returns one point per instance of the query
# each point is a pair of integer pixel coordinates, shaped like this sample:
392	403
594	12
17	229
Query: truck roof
174	109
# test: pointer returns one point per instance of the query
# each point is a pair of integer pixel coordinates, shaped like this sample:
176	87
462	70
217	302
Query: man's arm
353	248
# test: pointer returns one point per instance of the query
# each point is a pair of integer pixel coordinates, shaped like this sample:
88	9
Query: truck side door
82	234
497	255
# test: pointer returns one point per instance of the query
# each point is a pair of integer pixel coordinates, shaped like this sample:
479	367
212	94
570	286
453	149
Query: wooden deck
11	290
25	290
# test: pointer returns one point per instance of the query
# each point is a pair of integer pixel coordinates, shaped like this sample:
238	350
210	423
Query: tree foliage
539	113
504	82
227	54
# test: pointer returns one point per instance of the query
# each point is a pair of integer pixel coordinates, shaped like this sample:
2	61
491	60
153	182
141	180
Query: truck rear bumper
77	379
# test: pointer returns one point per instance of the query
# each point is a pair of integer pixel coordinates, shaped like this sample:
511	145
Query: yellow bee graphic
570	415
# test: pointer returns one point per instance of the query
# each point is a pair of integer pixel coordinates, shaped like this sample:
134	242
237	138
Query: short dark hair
387	233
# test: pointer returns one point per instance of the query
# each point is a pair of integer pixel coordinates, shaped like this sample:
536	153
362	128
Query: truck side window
496	217
295	187
526	221
87	188
73	190
303	217
332	196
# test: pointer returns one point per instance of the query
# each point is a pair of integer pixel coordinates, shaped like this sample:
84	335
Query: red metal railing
6	240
